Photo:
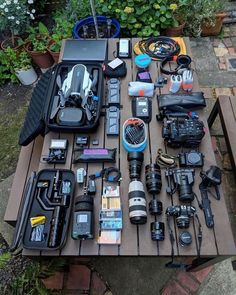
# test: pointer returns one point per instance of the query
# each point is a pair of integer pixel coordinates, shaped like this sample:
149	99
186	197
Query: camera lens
135	160
137	203
153	178
157	231
155	207
185	191
183	221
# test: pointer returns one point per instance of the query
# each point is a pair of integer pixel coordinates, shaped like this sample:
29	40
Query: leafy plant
4	258
201	12
30	281
15	16
18	60
178	8
6	71
38	37
139	17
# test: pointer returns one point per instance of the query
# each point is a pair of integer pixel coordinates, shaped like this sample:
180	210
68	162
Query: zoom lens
135	160
137	203
185	191
157	231
153	178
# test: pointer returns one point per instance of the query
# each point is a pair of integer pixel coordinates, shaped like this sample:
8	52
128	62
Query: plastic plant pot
78	27
27	77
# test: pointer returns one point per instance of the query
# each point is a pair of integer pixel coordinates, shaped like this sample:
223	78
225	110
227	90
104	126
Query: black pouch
143	76
119	72
94	155
181	102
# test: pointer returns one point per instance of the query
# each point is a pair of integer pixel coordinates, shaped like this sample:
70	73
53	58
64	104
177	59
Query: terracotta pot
5	44
42	59
216	29
55	55
175	31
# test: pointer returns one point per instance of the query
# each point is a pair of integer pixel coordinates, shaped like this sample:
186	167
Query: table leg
213	114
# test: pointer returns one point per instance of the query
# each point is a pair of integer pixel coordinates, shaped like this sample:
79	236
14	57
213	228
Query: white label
83	218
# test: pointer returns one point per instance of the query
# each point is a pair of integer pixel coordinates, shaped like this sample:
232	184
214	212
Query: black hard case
35	209
37	120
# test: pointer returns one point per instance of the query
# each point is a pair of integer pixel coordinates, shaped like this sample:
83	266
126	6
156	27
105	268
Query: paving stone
231	50
222	66
201	275
78	277
208	93
220	51
232	31
108	293
227	162
233	39
187	281
55	281
98	287
221	45
214	143
234	90
228	42
216	79
174	288
215	42
222	145
222	59
81	260
223	91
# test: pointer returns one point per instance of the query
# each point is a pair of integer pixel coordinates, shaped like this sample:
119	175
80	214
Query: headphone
183	61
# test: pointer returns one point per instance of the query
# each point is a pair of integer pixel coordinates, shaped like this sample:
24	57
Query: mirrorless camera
191	159
182	214
183	131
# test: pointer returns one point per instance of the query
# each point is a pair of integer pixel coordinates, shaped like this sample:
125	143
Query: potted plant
37	44
62	30
178	18
202	15
15	16
20	64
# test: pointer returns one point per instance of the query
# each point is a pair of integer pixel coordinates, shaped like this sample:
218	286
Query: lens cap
194	158
185	239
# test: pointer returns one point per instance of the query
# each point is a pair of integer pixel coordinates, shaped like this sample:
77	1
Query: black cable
162	47
111	178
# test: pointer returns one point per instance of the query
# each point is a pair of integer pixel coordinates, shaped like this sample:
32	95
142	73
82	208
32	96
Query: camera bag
38	121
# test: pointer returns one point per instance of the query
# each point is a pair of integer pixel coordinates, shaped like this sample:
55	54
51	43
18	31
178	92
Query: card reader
142	108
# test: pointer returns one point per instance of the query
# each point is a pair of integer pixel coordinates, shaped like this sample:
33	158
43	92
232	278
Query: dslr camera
183	179
182	214
183	131
191	159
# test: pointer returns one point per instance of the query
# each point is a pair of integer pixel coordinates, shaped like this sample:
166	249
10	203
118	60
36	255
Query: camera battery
112	120
142	108
113	92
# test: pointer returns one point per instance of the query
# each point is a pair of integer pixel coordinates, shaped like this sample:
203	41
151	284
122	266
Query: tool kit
67	98
46	210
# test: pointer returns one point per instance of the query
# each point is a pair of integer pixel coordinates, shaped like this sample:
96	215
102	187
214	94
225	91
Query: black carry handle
206	206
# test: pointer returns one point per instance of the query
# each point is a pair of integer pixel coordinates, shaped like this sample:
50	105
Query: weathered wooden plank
129	240
110	142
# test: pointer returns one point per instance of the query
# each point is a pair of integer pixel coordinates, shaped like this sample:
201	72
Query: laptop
85	50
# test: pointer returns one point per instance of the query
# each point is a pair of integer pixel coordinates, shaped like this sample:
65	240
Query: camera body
182	214
191	159
184	180
183	131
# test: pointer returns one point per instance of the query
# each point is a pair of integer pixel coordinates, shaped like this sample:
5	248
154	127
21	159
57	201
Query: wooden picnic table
217	244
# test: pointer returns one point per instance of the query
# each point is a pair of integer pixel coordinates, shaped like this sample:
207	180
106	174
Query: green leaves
140	18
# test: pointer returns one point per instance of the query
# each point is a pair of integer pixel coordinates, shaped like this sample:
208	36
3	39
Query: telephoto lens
135	160
83	218
137	203
153	178
158	231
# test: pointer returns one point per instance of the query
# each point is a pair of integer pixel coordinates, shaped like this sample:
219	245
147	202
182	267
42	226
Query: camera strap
172	264
199	236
